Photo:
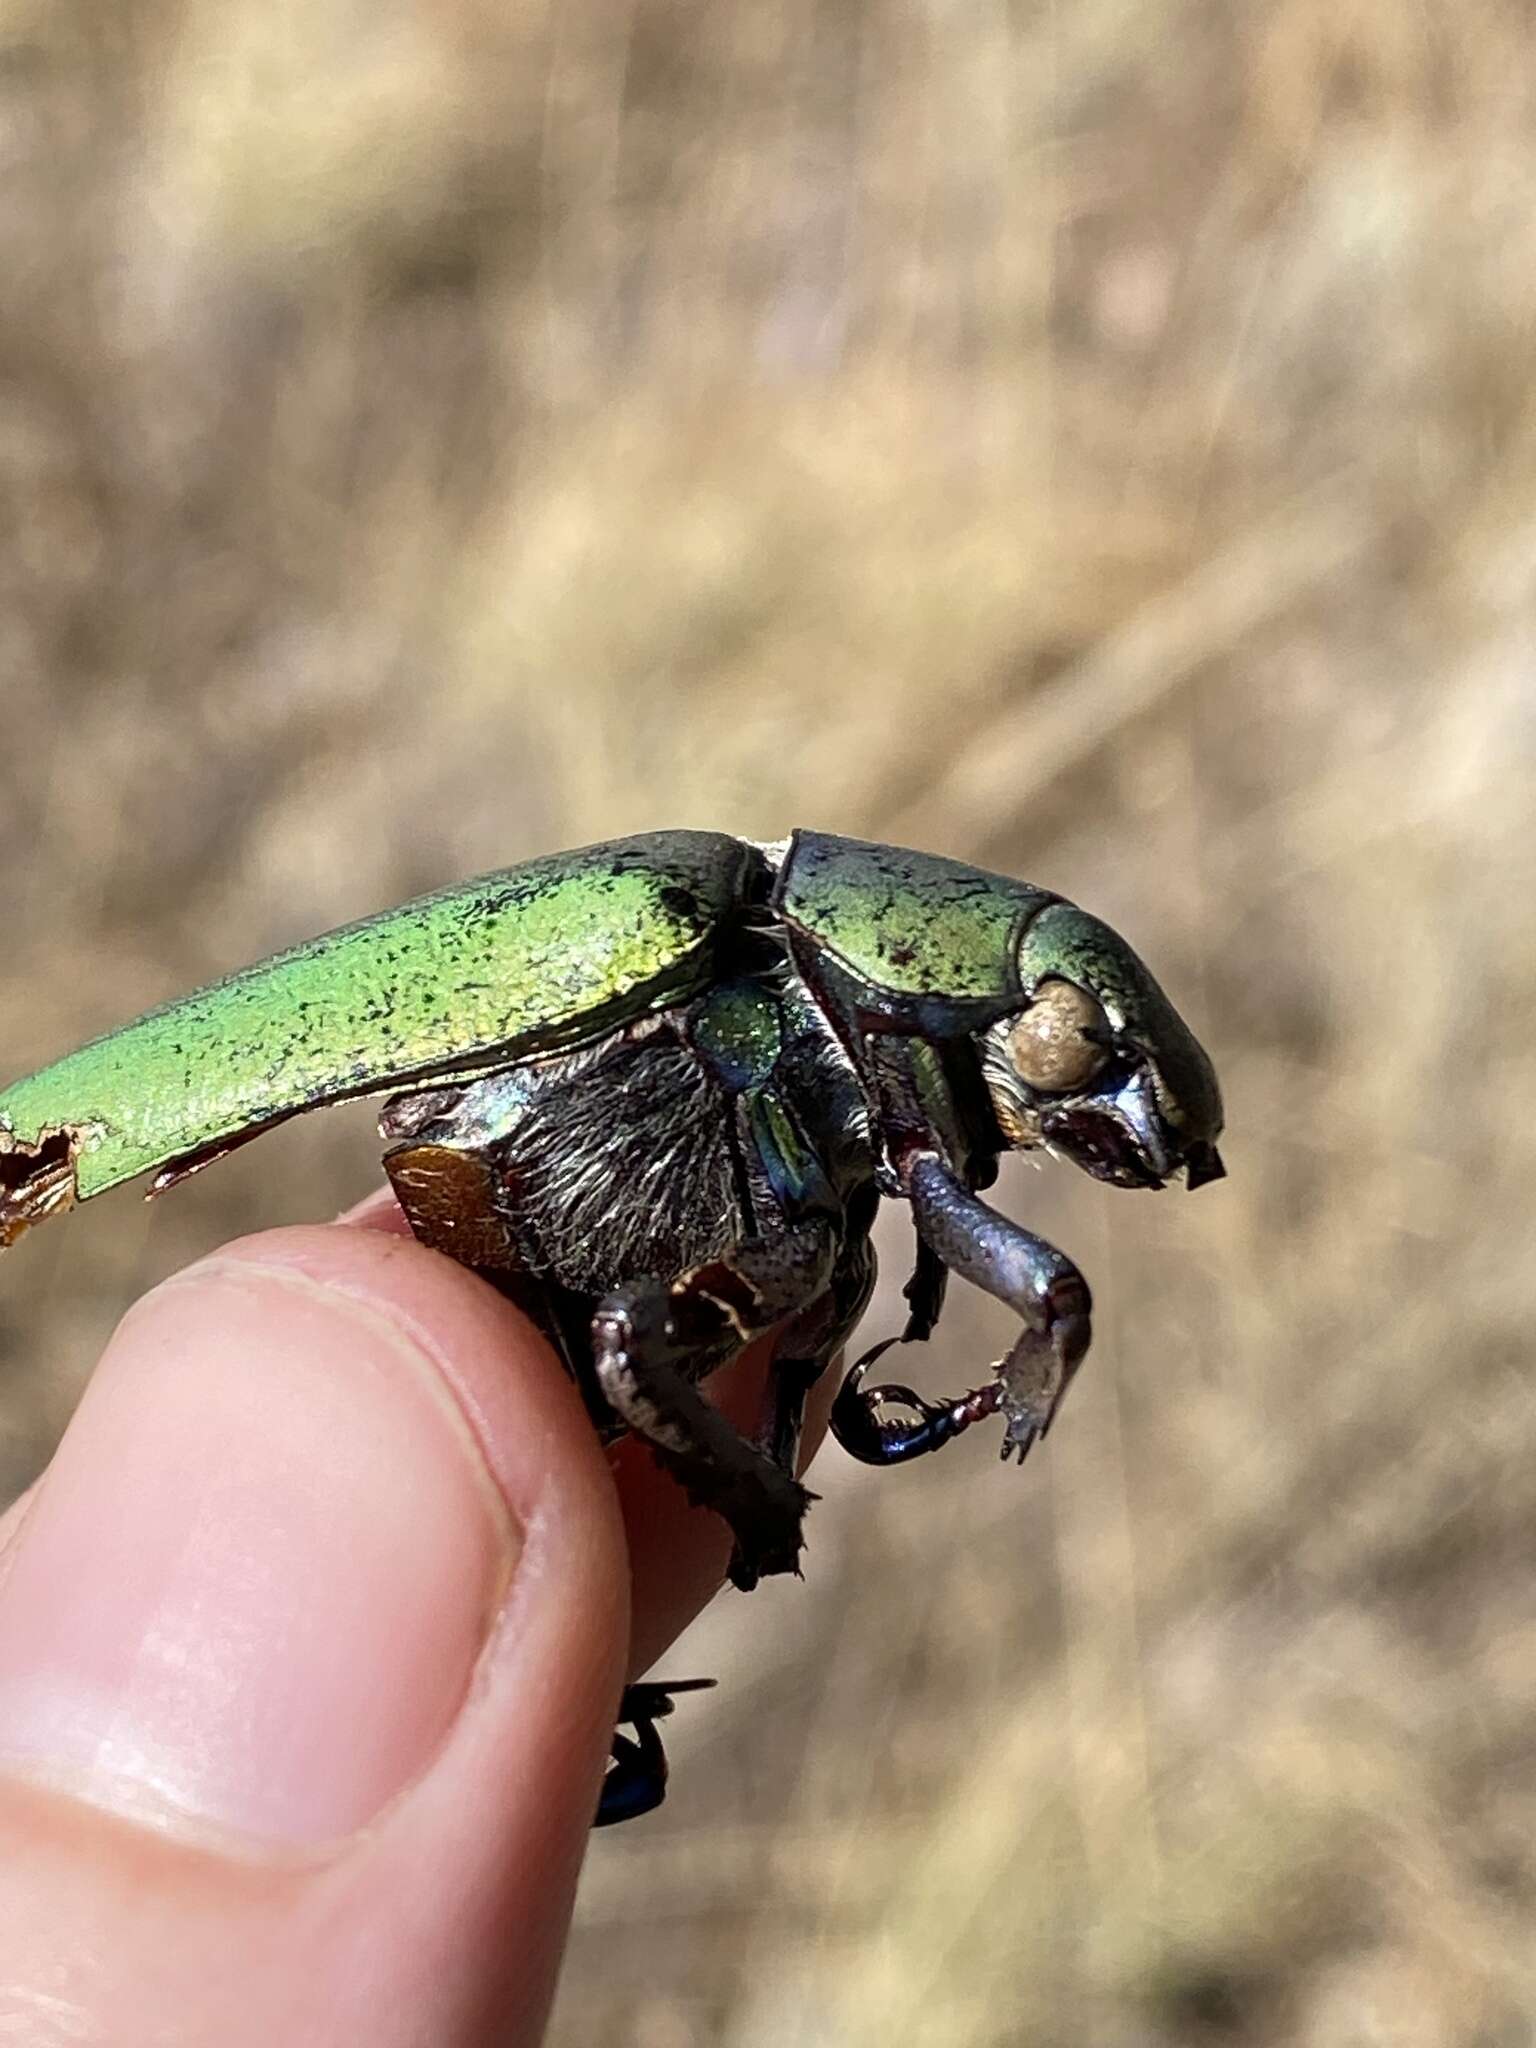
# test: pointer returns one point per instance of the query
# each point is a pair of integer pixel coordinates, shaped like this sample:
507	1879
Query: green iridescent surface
740	1029
909	922
543	953
1073	943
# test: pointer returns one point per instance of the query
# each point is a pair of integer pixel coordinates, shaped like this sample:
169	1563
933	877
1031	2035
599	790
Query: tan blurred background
1095	439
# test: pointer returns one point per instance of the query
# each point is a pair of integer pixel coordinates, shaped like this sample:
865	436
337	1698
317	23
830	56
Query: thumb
310	1642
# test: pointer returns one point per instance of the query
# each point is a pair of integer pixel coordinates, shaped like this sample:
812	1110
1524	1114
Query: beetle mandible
654	1090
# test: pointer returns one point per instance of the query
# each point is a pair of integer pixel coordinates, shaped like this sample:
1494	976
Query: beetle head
1098	1065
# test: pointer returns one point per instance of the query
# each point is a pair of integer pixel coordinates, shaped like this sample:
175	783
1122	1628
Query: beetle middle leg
1007	1261
807	1345
647	1340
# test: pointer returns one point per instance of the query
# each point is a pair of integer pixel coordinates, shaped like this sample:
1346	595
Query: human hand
310	1643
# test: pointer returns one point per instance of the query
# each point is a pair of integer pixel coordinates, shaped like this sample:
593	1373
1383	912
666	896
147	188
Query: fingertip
678	1553
513	1390
307	1466
311	1641
379	1210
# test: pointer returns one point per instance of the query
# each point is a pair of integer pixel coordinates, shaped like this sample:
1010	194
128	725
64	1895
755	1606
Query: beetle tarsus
876	1439
636	1783
637	1771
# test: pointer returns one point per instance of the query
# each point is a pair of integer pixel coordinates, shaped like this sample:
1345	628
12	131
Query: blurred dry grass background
1099	440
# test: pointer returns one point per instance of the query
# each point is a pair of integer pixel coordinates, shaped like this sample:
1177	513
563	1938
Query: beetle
654	1090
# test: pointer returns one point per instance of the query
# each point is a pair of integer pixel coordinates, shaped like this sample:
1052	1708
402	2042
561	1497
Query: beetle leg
924	1294
636	1782
1007	1261
636	1359
1040	1283
876	1439
646	1343
856	1421
807	1345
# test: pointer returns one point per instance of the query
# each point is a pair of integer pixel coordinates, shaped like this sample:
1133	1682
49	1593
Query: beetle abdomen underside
606	1165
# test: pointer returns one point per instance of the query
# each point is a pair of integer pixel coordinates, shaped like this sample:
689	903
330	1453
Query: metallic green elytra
654	1090
534	956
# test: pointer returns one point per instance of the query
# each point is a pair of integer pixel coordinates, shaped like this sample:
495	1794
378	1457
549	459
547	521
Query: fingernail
253	1586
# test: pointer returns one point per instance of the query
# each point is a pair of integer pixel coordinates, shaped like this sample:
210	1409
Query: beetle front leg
1040	1283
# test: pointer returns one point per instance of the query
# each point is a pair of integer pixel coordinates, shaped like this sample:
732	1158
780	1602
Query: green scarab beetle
654	1090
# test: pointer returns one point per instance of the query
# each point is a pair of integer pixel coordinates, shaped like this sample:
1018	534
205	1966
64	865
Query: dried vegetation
1097	440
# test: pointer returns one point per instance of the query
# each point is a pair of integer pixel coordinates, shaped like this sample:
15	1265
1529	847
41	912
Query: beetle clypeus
654	1090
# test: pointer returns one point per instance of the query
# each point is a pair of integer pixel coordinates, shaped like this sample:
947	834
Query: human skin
310	1642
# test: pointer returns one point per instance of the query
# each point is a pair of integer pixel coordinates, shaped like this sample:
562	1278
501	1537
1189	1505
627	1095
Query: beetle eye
1059	1041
